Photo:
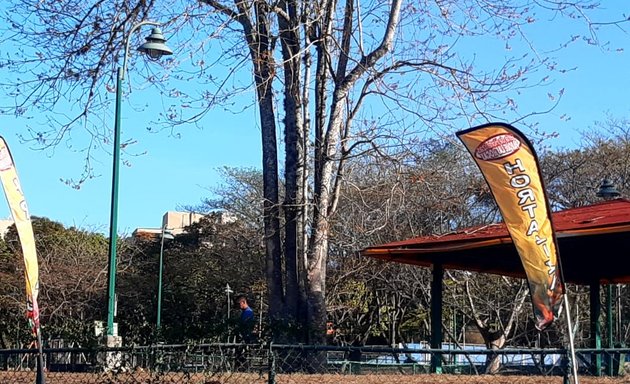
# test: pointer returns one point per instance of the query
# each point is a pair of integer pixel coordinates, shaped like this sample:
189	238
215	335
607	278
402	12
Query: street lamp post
165	235
228	290
155	48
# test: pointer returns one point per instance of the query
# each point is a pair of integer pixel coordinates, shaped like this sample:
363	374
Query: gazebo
592	241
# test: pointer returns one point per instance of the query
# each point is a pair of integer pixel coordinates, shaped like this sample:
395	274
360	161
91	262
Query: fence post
271	376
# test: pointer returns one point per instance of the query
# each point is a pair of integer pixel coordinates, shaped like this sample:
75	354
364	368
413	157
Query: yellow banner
22	219
510	166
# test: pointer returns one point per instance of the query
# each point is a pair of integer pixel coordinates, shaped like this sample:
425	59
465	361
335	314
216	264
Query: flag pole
41	379
571	341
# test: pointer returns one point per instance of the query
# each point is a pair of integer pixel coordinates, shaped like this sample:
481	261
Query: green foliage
198	265
70	285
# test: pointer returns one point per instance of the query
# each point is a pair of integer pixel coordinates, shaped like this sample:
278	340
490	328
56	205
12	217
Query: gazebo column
436	317
609	329
596	334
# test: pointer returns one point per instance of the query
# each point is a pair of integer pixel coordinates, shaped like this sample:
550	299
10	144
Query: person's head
242	302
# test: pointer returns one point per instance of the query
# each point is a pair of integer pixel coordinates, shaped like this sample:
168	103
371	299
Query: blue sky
177	171
170	172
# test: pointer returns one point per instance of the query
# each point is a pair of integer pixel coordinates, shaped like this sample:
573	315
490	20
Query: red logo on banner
497	147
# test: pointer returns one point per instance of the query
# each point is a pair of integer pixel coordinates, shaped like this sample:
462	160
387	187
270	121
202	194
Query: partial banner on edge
509	164
22	219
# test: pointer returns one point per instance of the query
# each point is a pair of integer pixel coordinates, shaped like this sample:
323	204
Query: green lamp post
155	48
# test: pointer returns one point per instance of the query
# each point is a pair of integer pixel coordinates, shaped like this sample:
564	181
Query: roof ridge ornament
607	190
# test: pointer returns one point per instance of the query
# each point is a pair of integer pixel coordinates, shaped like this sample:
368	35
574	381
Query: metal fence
271	364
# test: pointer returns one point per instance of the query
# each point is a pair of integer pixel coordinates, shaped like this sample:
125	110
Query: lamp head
154	46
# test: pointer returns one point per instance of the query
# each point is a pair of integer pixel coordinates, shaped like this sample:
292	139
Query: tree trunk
257	36
294	166
317	287
494	342
319	237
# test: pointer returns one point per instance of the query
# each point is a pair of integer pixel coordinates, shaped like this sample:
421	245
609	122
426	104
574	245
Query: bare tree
327	60
496	320
574	175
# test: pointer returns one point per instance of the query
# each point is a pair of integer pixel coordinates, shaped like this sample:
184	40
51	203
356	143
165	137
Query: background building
175	223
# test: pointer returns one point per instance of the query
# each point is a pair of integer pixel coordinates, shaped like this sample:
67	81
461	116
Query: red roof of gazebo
593	241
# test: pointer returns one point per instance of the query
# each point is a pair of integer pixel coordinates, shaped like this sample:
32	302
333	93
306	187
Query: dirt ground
236	378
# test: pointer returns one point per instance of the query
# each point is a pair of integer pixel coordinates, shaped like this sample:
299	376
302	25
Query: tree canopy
367	302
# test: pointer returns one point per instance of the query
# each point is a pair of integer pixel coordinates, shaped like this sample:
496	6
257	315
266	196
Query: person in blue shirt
247	320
